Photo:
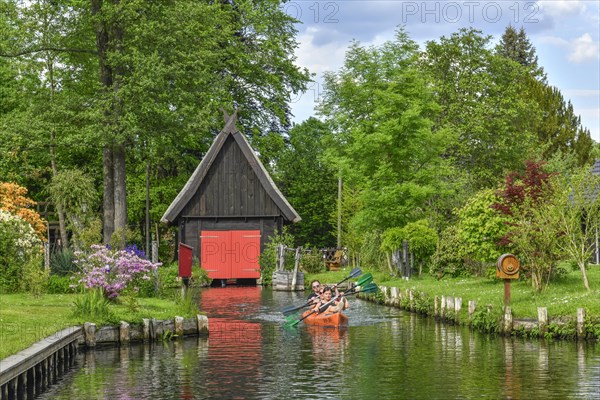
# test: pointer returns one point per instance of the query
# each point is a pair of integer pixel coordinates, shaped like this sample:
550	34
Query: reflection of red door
230	254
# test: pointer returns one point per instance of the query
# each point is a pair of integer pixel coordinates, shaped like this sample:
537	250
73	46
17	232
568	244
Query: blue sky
564	33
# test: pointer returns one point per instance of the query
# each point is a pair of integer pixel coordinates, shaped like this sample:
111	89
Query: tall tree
481	104
557	127
382	111
309	183
517	47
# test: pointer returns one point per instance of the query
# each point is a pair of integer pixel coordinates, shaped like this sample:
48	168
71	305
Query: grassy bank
25	320
562	297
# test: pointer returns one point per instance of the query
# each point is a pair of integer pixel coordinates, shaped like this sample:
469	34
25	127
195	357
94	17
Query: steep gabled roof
193	184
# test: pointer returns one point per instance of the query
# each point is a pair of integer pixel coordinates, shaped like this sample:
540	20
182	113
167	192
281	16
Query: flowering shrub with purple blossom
112	270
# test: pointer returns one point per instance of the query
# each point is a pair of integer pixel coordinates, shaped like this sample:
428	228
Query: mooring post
580	322
457	308
472	308
508	320
542	320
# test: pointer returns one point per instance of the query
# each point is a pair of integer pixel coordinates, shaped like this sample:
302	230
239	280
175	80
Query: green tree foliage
136	82
481	227
381	111
449	256
75	194
422	240
309	183
558	129
481	104
517	47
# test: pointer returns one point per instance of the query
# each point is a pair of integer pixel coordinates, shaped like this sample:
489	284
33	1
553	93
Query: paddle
291	309
369	288
363	280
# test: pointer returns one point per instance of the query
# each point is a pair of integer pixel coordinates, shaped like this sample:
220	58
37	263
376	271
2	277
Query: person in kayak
317	290
339	304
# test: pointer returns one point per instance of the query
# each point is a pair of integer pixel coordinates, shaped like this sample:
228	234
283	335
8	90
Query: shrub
312	262
18	244
35	276
112	270
449	255
13	200
370	254
59	284
62	263
93	305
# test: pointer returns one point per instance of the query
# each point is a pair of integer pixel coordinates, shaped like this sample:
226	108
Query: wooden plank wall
231	188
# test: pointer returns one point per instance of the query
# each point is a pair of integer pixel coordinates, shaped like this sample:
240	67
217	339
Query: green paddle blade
365	279
370	288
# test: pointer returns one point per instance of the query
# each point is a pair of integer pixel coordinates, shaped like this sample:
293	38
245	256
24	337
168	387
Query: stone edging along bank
31	371
448	309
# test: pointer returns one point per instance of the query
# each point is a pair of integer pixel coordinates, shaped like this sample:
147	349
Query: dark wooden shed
229	207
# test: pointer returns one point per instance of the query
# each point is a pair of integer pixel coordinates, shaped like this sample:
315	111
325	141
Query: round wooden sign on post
508	267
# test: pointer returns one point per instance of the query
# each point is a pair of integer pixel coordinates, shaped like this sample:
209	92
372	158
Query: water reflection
383	352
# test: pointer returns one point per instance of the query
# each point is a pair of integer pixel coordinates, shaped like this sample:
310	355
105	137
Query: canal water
384	353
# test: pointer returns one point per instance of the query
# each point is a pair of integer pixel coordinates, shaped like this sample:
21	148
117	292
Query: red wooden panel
230	254
185	260
212	257
245	264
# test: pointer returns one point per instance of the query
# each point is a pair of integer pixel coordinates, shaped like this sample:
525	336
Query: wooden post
296	266
124	332
472	308
457	308
507	292
580	322
89	330
394	295
178	326
281	258
339	213
436	306
443	307
508	320
450	303
202	321
543	320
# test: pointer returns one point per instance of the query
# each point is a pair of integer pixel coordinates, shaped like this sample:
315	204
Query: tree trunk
108	203
120	192
584	274
389	261
62	228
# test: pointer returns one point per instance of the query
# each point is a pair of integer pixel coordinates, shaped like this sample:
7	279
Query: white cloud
580	49
584	49
319	57
561	8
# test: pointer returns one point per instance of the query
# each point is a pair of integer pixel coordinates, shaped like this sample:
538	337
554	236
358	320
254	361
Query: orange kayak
335	319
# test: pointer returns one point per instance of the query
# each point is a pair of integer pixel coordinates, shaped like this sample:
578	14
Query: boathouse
229	208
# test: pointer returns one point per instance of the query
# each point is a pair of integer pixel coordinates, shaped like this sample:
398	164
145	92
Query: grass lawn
25	320
562	297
